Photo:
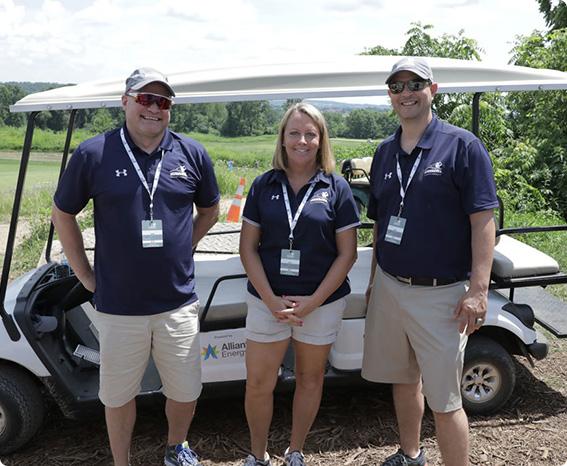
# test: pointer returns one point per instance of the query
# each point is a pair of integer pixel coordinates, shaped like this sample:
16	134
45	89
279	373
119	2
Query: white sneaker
294	458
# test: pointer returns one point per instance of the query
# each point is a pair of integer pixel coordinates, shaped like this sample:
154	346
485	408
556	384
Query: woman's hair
325	159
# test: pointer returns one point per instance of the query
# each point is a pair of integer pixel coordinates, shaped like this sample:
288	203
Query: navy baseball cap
416	65
144	76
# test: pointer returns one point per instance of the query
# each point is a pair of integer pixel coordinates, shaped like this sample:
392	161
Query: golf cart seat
229	300
357	171
517	264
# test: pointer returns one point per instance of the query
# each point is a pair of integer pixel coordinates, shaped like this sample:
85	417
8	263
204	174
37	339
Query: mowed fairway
42	169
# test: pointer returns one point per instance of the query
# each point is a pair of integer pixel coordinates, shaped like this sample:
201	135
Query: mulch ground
355	427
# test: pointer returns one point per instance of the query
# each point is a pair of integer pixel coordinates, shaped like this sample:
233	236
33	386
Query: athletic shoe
251	460
294	458
180	455
401	459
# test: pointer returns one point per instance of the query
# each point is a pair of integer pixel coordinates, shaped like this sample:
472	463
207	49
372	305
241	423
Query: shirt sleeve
251	212
478	187
207	193
346	213
74	188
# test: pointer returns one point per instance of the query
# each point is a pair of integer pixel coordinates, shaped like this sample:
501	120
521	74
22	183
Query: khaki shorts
411	333
320	327
126	342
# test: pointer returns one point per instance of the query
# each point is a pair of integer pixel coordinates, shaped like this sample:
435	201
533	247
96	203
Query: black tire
21	408
489	376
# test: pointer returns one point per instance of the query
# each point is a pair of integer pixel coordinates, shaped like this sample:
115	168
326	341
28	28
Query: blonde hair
325	159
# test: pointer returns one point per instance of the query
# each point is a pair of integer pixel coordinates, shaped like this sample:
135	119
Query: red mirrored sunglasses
147	100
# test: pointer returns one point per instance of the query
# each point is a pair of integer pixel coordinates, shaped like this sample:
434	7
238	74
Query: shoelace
187	457
295	458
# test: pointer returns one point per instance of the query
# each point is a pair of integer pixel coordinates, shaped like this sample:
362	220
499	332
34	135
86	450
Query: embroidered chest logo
275	197
322	197
120	173
434	169
388	176
179	172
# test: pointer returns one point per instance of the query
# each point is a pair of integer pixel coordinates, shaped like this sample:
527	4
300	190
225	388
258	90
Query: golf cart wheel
21	408
488	378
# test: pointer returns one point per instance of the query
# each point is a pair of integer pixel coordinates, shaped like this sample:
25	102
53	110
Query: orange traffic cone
234	209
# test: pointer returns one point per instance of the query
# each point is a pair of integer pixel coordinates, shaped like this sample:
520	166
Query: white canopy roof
352	76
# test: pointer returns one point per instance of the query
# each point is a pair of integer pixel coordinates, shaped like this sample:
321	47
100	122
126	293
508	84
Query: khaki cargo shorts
126	342
411	333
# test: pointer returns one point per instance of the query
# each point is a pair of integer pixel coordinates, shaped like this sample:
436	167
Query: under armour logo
120	173
275	196
387	176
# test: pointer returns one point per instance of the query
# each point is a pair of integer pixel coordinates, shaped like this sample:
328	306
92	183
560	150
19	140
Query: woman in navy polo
298	243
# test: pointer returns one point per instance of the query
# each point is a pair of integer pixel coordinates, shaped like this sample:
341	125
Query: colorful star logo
209	351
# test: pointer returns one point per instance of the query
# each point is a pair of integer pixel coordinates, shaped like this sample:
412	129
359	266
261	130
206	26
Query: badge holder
290	260
152	234
396	226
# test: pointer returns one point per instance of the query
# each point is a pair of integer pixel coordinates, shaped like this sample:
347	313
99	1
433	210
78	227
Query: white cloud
79	40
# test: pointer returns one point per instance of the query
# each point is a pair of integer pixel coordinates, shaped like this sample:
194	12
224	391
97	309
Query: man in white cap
144	180
432	200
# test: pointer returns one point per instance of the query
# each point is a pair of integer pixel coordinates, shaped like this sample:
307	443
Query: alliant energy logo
227	350
209	352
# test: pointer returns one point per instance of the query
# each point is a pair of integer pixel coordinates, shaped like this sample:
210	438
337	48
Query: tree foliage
555	13
540	116
421	43
247	118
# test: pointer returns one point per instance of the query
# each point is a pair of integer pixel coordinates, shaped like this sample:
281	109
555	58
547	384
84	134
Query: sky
71	41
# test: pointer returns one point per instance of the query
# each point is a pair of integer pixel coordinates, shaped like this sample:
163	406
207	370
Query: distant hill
30	87
340	107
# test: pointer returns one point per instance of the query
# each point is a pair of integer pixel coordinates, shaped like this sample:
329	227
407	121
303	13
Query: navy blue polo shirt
329	210
454	179
131	280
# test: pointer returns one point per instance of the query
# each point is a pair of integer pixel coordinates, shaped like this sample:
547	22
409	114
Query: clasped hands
292	309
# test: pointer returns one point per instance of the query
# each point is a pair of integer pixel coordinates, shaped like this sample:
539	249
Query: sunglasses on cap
147	100
397	87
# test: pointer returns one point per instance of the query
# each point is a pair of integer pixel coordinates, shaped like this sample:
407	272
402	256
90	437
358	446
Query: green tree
555	13
247	118
361	124
101	121
335	124
420	42
10	94
540	116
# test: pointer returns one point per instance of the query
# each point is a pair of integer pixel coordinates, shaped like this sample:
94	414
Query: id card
395	230
289	263
152	234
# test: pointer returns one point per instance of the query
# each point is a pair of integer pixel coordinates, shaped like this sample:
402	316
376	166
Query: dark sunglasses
413	85
147	100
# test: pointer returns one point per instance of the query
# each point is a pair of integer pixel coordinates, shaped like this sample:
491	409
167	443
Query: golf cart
49	346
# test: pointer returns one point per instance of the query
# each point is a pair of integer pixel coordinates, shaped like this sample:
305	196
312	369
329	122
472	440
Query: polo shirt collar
427	138
279	176
166	143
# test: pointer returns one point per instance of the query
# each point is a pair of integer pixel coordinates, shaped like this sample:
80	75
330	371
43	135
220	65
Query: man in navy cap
144	180
432	200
